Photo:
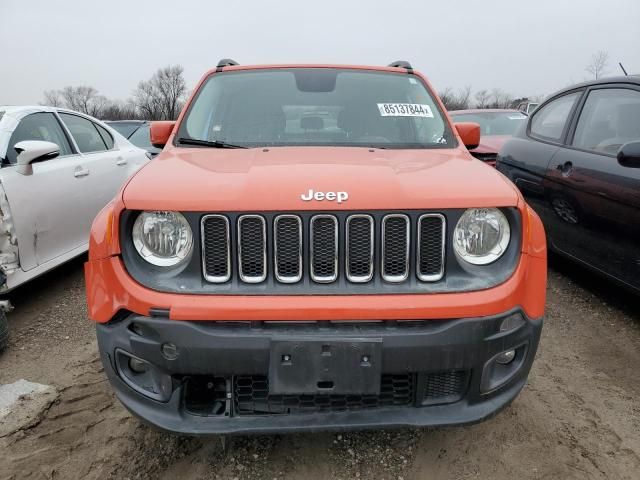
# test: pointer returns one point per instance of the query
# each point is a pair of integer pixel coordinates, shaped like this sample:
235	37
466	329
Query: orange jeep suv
315	248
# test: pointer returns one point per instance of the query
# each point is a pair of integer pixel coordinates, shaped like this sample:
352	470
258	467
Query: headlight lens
162	238
481	235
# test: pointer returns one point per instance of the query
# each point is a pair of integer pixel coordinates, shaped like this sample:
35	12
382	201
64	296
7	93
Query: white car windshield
316	106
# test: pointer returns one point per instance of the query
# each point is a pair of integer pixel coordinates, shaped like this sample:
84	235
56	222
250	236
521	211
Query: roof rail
225	62
402	64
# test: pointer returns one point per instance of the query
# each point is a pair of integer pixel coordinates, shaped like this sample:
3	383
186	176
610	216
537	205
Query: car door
105	166
595	199
525	158
43	204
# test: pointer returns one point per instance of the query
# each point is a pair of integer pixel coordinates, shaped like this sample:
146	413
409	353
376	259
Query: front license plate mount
325	366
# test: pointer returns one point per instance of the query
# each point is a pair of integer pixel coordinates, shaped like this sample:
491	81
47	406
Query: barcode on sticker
404	110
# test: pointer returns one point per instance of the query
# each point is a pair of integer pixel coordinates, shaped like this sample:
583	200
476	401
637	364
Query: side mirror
30	151
469	133
160	133
629	155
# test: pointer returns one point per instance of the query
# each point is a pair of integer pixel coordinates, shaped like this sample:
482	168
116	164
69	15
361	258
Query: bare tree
147	101
482	98
598	65
499	99
162	96
119	110
81	99
460	100
52	98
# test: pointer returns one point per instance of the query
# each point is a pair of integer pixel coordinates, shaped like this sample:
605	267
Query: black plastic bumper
229	350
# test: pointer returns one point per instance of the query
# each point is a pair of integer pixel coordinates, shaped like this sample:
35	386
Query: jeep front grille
431	238
252	248
323	248
395	247
287	244
216	264
360	248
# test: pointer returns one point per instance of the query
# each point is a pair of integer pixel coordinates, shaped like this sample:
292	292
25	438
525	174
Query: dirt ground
578	418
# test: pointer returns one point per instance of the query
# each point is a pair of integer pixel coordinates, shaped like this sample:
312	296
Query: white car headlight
162	238
481	235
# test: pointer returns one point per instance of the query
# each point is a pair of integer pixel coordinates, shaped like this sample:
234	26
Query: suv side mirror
469	133
30	151
160	133
629	155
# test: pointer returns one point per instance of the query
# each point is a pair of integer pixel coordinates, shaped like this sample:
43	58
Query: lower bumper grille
252	397
445	387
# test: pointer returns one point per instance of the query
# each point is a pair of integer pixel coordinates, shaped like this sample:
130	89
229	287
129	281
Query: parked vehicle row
316	246
58	169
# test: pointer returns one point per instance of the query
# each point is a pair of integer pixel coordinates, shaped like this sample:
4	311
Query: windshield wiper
206	143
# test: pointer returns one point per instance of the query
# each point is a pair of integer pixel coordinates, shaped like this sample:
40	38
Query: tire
4	330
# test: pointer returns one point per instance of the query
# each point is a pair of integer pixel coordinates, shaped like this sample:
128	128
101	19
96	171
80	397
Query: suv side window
84	133
609	119
549	121
39	126
106	136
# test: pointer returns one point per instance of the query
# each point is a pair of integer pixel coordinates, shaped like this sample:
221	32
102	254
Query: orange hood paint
209	179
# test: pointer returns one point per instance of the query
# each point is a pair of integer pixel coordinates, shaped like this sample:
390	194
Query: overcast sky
523	47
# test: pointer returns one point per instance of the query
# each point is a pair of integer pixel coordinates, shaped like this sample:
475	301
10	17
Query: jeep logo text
331	196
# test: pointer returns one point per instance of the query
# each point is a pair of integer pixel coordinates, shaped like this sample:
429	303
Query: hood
273	179
491	143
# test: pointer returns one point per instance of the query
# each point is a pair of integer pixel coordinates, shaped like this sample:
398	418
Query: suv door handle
121	161
81	172
565	168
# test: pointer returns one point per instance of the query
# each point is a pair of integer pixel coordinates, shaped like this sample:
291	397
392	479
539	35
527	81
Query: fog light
506	357
143	377
138	366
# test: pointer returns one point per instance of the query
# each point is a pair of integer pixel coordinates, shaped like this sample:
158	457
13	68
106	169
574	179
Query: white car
59	169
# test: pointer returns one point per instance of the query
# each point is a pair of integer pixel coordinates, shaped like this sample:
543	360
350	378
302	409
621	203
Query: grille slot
324	248
360	244
431	241
445	387
251	397
395	247
252	248
216	258
288	248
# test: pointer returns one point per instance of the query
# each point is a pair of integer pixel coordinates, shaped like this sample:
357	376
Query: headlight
481	235
162	238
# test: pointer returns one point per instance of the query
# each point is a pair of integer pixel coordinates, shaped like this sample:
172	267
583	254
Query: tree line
463	99
159	98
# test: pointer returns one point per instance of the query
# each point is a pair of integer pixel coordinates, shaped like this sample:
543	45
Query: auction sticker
405	110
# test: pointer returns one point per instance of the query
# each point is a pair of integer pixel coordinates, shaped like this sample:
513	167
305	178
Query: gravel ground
579	416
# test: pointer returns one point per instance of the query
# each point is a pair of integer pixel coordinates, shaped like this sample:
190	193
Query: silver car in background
59	168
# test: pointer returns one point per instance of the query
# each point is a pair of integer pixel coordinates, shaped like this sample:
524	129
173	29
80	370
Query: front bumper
454	359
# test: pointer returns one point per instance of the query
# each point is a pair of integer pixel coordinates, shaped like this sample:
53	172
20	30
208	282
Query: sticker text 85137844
404	110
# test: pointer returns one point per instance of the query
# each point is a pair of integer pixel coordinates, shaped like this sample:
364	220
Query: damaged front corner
9	255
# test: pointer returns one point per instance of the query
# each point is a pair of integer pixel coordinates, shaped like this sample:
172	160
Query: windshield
316	106
493	123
